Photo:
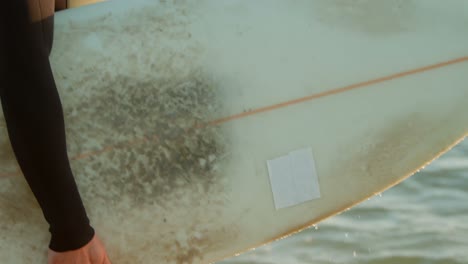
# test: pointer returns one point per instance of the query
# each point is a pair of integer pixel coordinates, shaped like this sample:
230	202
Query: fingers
92	253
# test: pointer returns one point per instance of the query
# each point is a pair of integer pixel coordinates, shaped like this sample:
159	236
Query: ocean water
423	220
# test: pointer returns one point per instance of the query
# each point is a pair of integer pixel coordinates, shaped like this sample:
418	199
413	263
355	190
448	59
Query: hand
92	253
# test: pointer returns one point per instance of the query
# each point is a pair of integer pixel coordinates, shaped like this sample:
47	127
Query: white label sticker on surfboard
293	178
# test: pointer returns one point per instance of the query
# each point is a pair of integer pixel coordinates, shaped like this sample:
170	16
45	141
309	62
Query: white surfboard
201	129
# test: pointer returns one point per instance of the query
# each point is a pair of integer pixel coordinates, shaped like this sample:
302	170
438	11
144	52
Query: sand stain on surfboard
367	16
138	142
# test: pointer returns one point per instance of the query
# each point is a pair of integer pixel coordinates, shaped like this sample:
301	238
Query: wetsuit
34	117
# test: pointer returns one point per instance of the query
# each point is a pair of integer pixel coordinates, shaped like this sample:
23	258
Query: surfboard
201	129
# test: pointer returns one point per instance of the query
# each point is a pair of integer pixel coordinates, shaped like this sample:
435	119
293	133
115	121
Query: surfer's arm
35	122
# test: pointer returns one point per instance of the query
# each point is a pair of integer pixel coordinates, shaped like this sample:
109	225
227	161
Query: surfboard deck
173	109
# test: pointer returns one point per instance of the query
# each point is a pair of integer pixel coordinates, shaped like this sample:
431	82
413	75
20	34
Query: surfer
35	122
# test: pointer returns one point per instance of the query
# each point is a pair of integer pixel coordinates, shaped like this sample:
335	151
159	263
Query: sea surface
423	220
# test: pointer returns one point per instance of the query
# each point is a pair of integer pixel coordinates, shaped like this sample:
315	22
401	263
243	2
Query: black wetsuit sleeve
35	122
